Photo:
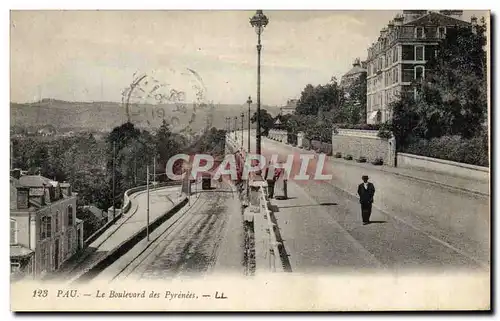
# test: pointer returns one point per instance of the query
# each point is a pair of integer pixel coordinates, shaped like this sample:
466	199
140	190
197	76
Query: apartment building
44	230
399	56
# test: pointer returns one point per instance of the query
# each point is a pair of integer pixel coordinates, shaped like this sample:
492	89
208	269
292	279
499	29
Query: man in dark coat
366	191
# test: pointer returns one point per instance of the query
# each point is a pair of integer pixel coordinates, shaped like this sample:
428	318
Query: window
70	215
419	32
13	231
57	220
441	32
419	72
419	53
408	52
44	254
46	227
68	242
395	54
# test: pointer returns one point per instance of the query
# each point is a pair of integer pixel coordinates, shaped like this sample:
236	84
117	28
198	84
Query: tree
266	121
322	98
452	98
353	108
457	82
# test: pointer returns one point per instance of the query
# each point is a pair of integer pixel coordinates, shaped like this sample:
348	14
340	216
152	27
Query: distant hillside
107	115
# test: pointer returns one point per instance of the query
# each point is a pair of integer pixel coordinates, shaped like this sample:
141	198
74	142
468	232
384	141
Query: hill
104	116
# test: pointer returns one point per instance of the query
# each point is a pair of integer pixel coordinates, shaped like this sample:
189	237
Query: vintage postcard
251	160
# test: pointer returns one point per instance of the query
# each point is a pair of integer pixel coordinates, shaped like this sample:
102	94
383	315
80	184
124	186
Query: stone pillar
392	151
284	136
300	137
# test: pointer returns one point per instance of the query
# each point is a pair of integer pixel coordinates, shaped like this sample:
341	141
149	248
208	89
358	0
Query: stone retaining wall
364	143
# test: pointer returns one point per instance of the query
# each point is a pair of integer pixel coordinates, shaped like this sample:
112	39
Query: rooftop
18	250
356	68
36	181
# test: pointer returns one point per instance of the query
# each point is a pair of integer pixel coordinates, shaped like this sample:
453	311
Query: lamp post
259	21
235	124
249	102
242	116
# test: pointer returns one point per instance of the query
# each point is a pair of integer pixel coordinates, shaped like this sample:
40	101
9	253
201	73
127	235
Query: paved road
161	201
419	224
193	242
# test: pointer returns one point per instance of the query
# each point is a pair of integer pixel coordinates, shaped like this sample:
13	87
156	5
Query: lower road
415	225
161	201
193	242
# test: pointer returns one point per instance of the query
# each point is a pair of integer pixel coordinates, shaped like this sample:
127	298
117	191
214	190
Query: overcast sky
92	55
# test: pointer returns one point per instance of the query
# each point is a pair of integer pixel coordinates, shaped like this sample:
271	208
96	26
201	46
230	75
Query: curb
126	245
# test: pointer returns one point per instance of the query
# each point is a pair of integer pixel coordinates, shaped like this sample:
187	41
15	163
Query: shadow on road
310	205
377	222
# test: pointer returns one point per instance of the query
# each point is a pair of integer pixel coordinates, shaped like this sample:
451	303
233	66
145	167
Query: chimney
473	20
383	32
390	25
410	15
356	62
398	20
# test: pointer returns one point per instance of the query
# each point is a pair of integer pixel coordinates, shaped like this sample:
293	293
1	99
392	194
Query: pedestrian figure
280	187
271	179
366	191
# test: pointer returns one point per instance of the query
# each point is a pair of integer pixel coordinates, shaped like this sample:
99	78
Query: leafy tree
455	89
353	108
452	99
323	98
266	121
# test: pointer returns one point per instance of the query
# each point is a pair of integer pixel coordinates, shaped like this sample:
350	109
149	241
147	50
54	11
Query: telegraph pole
154	170
147	208
114	164
235	124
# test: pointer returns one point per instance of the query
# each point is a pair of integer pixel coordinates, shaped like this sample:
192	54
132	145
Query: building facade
290	107
44	230
353	84
352	76
400	54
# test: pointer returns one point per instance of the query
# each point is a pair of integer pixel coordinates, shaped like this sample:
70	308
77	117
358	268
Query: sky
93	55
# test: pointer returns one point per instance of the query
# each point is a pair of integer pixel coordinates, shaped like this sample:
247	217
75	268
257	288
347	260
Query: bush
361	159
378	161
348	157
472	151
338	155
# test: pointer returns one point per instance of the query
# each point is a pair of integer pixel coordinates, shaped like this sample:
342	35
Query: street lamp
235	124
249	102
242	117
259	21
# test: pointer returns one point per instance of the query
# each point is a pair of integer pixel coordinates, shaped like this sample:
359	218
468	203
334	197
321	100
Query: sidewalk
461	183
161	202
478	187
231	248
